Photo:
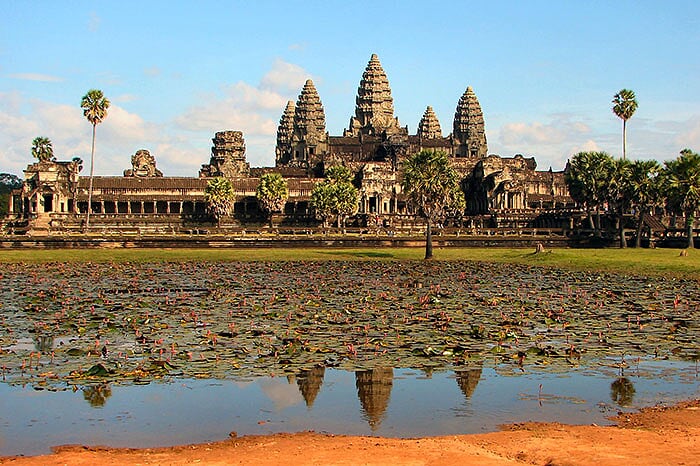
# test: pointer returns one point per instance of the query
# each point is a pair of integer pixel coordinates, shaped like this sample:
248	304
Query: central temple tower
374	106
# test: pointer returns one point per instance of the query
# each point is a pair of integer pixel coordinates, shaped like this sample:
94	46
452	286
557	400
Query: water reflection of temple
467	379
374	390
309	383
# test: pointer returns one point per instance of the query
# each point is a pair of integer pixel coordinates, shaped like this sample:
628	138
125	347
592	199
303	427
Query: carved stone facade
374	147
429	125
227	156
374	106
468	131
143	165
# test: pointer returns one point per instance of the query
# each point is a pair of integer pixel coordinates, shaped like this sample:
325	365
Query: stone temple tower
301	135
469	136
374	106
285	131
429	125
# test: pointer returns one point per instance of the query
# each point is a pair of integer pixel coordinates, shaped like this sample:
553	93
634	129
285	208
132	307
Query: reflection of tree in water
467	379
622	391
97	395
309	382
374	391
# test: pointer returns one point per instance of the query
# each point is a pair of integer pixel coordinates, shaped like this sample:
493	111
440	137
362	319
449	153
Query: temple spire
285	131
469	134
374	106
309	117
429	126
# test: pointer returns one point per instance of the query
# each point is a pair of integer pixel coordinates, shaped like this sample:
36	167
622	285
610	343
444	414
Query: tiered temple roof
285	131
309	117
429	126
374	106
469	126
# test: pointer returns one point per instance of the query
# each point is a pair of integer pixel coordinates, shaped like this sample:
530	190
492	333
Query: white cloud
282	393
528	134
689	136
94	22
152	71
124	98
253	109
551	143
284	77
120	135
36	77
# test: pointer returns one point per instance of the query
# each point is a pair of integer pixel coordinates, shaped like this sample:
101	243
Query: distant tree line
598	182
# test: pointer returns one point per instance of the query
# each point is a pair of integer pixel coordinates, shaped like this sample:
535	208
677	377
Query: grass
630	261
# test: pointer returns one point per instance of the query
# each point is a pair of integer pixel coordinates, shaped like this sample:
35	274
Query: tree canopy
681	181
272	193
220	196
587	177
336	196
624	106
94	105
42	149
433	187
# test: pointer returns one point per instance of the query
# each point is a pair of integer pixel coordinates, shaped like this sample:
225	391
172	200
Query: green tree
322	201
220	197
272	193
624	106
94	105
335	197
618	194
681	179
8	183
644	191
42	149
587	177
432	185
339	174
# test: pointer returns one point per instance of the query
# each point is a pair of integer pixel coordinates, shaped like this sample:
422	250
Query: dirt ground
655	436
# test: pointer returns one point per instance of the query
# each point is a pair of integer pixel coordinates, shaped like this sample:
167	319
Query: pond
149	354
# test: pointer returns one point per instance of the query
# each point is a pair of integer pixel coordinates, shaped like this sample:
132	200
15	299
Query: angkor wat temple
500	191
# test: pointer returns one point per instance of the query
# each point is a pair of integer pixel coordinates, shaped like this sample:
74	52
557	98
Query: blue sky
176	72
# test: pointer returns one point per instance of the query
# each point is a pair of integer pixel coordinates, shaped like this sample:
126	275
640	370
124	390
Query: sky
176	72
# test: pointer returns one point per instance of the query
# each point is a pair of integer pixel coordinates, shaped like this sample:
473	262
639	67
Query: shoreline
669	435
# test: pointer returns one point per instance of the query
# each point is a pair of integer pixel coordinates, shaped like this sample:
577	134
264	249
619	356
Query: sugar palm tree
94	105
682	187
643	190
618	194
624	106
42	149
433	187
220	196
272	193
588	176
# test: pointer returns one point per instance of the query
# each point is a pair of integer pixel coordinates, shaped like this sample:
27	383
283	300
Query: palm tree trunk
92	171
690	219
621	229
429	241
624	139
640	225
597	228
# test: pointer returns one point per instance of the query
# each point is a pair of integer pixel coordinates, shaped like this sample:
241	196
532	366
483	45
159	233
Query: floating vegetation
137	322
